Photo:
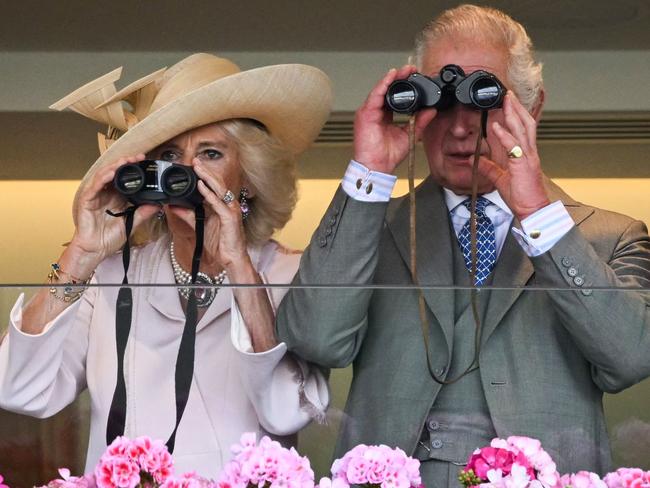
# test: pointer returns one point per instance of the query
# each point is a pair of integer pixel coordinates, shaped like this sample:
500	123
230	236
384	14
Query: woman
239	131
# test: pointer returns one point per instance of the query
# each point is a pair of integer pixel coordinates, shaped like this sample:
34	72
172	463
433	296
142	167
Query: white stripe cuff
541	230
366	185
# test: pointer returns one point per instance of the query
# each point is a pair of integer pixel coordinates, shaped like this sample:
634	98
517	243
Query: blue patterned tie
486	254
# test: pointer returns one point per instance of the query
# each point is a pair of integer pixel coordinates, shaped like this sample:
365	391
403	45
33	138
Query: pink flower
357	471
153	458
582	479
517	478
117	471
2	485
628	478
515	462
328	483
266	463
120	446
190	480
487	458
377	466
68	481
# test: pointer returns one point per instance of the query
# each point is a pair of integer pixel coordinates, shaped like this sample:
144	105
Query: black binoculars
158	182
480	90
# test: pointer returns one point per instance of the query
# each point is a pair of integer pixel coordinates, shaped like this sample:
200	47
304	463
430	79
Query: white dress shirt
539	231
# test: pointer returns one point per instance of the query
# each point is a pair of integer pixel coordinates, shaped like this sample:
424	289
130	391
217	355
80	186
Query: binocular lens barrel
479	90
485	93
401	96
129	179
158	182
176	180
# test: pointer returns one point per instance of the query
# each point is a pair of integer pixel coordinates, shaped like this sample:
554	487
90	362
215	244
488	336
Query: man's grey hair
491	26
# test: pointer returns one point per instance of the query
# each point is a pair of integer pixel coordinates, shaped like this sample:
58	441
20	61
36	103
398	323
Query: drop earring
243	203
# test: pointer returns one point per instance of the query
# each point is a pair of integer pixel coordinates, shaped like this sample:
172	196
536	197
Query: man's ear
536	112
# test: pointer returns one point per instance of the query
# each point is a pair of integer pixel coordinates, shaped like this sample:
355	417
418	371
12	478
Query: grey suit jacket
547	354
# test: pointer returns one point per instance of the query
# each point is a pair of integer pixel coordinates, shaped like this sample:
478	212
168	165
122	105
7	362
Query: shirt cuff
365	185
541	230
241	339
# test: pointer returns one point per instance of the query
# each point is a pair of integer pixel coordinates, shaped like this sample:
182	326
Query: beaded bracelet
72	289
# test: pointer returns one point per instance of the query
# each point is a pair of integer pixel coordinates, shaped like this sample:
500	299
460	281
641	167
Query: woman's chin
179	219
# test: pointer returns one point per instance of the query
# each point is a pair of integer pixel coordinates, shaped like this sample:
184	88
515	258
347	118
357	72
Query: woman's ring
228	197
516	152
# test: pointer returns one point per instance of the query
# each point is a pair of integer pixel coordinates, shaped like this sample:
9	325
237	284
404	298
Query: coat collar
166	299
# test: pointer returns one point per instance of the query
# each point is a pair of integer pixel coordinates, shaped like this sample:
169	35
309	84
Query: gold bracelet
72	289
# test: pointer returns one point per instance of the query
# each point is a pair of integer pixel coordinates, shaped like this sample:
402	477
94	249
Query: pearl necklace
204	296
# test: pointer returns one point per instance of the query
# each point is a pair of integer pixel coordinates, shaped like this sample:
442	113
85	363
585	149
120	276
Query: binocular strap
424	322
184	369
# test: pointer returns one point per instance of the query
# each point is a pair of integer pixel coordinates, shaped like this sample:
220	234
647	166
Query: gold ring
516	152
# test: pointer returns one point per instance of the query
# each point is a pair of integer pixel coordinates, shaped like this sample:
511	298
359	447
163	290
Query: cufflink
535	233
369	189
359	183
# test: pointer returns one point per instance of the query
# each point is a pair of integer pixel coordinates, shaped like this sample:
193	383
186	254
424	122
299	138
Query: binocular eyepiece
479	90
158	182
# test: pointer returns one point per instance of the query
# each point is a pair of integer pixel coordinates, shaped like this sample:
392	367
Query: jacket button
579	280
335	211
566	261
572	271
436	443
586	292
433	425
328	231
322	242
332	221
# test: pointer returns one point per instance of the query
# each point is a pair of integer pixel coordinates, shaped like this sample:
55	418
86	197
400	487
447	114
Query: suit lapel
514	268
511	273
434	254
435	260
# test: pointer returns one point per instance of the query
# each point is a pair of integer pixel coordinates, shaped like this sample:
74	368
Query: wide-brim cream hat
292	101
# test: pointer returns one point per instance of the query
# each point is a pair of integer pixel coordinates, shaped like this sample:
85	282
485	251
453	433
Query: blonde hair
493	27
270	171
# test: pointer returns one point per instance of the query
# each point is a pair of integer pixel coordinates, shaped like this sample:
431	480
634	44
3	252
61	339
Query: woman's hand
97	234
225	241
224	236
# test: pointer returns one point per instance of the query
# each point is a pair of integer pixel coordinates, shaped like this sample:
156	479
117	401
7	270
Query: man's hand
520	181
378	143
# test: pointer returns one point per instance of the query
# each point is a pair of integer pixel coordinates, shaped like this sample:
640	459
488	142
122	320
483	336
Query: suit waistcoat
459	420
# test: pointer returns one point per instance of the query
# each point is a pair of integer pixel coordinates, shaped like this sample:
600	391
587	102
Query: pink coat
234	390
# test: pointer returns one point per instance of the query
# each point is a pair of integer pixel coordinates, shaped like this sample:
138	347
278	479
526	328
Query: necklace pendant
204	296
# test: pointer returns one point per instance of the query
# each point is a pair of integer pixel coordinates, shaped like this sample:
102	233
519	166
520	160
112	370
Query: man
546	354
